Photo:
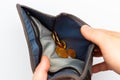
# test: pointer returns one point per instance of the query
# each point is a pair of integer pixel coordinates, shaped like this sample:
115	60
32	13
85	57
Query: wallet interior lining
48	48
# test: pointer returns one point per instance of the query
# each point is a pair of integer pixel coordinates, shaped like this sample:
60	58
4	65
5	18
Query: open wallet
59	38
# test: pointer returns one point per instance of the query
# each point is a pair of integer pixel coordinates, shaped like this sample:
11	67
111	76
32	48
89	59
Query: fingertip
87	32
45	63
85	28
42	69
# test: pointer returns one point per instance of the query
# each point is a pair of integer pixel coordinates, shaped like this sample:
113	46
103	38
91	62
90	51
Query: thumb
91	34
42	69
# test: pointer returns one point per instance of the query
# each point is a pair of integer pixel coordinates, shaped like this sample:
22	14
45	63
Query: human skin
42	69
108	47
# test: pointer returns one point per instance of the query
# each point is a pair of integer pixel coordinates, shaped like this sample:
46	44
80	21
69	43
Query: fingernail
86	27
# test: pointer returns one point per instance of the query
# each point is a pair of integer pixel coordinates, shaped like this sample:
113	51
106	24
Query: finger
42	69
112	33
92	34
100	67
97	52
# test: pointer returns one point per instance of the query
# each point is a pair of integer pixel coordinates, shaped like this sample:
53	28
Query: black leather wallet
59	38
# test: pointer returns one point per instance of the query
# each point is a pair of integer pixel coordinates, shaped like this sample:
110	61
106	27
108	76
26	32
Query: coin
71	53
61	52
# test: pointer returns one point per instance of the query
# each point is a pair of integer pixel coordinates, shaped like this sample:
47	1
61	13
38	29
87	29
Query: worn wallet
59	38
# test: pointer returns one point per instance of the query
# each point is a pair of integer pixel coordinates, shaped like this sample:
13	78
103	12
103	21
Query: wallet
59	38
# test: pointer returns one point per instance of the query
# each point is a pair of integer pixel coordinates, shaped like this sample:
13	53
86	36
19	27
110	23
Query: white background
14	56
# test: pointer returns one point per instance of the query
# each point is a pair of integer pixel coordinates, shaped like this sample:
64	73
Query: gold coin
61	52
71	53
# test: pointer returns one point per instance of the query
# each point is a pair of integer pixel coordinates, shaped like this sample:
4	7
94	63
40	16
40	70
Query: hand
42	69
109	45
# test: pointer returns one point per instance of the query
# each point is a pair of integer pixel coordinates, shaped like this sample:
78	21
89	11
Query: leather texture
38	28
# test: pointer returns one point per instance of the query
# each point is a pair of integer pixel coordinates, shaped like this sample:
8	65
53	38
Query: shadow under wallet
59	38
